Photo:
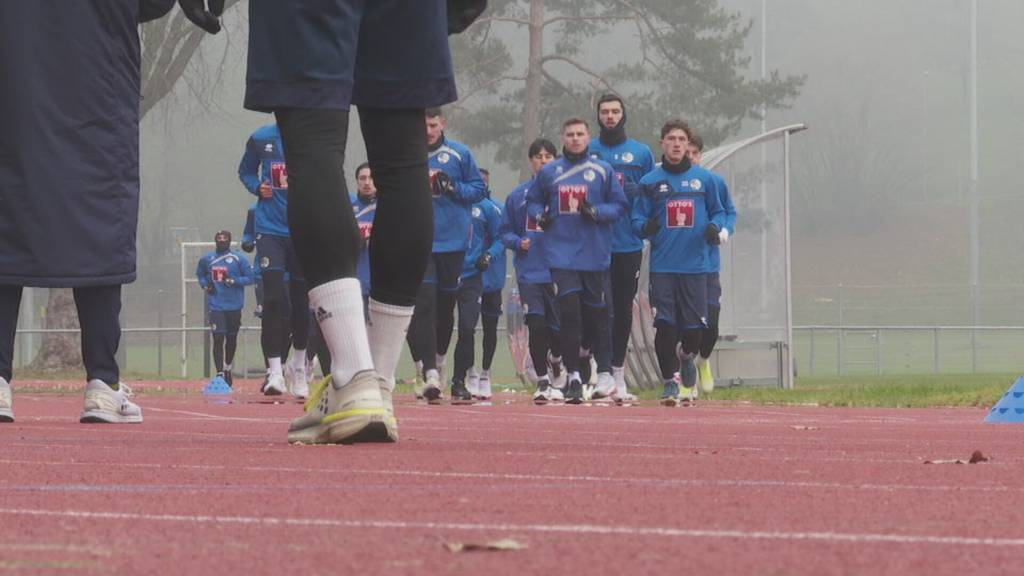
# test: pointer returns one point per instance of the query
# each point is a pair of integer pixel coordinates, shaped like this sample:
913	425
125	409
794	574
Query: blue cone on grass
1010	408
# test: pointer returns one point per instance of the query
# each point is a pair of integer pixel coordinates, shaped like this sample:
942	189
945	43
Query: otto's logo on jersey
627	157
279	175
570	196
219	273
589	175
679	214
444	158
365	229
531	225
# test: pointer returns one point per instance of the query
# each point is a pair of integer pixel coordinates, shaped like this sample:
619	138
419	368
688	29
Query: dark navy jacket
69	141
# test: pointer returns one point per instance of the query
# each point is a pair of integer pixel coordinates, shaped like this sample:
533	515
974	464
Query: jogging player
223	274
495	270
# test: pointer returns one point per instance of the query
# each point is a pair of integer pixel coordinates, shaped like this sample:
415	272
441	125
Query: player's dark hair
611	98
675	124
542	144
574	121
484	171
361	167
434	112
697	141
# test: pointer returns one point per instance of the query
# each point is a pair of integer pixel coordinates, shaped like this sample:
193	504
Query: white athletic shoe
355	412
621	394
6	403
484	385
542	395
555	395
103	404
432	387
299	385
605	386
274	386
556	371
473	382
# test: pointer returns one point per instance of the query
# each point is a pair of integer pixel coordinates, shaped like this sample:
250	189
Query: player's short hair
434	112
361	167
541	144
611	97
484	171
675	124
574	121
223	234
697	141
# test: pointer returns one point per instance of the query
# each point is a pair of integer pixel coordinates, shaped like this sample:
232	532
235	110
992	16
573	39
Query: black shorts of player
680	300
471	290
490	304
594	288
277	253
714	290
225	321
445	270
539	299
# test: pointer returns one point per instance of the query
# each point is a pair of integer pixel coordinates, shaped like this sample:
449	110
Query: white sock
227	367
388	325
419	367
298	358
339	311
275	366
575	376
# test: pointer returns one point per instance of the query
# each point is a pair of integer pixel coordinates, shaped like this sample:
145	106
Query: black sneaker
460	394
574	392
543	394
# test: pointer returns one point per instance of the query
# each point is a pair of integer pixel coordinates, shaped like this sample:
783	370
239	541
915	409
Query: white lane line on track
666	532
549	478
213	416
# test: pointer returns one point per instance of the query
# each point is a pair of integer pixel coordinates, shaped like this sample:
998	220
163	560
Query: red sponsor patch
531	225
679	214
279	175
433	176
570	197
219	273
365	229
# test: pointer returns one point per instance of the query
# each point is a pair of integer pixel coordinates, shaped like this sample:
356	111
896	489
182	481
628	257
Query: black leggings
490	340
710	337
539	343
320	217
569	311
224	349
665	340
625	273
285	315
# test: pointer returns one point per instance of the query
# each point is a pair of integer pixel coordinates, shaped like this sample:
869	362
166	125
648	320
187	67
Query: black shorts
680	300
225	321
277	253
445	270
714	290
594	287
539	299
490	304
470	291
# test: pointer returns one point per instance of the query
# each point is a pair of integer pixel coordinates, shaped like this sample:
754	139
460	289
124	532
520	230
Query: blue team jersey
683	205
486	220
631	160
452	228
263	161
365	210
573	242
494	277
714	256
214	269
516	224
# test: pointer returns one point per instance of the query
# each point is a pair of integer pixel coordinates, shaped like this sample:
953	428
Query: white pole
764	157
184	315
788	374
973	185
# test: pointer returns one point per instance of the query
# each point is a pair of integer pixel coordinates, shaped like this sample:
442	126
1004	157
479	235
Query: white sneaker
473	382
555	395
432	387
621	395
355	412
6	404
556	371
605	386
300	379
274	386
103	404
484	385
542	394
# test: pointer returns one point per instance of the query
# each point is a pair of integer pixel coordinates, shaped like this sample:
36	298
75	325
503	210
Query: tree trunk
59	352
531	105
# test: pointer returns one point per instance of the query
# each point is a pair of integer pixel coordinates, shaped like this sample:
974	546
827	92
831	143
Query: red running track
204	488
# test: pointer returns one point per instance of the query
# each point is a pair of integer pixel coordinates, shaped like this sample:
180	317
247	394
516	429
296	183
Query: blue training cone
217	390
1010	408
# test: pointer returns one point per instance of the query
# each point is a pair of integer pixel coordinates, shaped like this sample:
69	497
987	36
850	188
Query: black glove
544	221
154	9
248	246
651	227
443	185
195	10
483	262
462	13
588	211
711	234
229	281
209	288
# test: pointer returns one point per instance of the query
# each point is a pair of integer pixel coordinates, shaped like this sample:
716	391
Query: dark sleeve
153	9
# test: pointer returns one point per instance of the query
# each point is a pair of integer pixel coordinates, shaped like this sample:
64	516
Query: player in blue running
494	275
631	160
710	338
364	205
224	274
680	212
455	185
576	200
264	173
521	234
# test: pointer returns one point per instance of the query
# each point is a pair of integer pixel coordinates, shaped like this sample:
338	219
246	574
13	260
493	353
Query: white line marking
539	528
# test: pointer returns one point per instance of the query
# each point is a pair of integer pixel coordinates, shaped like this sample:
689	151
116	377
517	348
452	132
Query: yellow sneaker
352	413
704	376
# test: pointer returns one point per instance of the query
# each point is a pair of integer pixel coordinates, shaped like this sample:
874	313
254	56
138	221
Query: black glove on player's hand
443	185
483	262
544	221
462	13
248	246
588	211
651	227
711	234
196	11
